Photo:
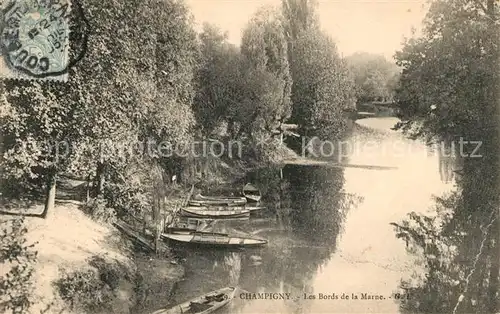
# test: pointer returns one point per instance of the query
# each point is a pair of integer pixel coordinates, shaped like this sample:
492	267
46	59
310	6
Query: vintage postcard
249	156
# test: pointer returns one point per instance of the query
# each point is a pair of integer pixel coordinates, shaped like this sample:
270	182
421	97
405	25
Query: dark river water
332	236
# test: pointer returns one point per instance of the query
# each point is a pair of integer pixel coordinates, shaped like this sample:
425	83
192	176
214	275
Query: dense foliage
93	290
322	87
375	77
448	83
17	258
449	90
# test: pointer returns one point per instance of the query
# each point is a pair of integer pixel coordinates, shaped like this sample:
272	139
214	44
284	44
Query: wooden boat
218	208
213	239
192	223
252	193
218	197
215	212
200	200
179	230
189	226
204	304
237	199
254	208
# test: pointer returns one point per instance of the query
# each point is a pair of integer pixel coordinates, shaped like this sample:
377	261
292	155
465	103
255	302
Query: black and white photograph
249	156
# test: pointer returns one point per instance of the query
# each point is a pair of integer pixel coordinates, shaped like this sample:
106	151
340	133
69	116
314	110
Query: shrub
99	211
84	290
110	272
93	289
17	258
128	198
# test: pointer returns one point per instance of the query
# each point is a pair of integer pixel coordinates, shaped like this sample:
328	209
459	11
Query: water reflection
318	202
458	243
447	161
232	263
329	232
302	224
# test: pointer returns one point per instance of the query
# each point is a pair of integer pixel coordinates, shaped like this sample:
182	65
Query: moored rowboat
217	208
216	212
220	202
254	208
223	197
213	239
200	200
190	225
204	304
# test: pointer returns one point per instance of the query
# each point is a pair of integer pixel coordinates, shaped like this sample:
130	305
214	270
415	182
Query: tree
451	67
35	127
374	76
266	73
322	88
298	15
218	79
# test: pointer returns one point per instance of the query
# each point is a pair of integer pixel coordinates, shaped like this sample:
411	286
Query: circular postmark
35	36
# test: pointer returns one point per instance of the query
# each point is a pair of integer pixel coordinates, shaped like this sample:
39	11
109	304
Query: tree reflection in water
310	201
232	262
310	206
458	245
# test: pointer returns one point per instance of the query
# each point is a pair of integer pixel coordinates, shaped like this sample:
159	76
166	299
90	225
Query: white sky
376	26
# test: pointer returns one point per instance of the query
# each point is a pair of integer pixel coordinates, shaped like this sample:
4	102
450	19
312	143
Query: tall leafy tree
218	79
322	87
448	80
37	133
266	73
299	15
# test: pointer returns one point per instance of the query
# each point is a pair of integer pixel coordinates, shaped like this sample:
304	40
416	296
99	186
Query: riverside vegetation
147	75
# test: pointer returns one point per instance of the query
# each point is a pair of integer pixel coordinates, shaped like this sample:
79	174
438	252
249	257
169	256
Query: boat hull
214	213
224	296
213	239
201	200
253	209
221	197
216	203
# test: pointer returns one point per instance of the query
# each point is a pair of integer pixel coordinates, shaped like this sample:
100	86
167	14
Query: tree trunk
101	178
158	196
87	188
50	197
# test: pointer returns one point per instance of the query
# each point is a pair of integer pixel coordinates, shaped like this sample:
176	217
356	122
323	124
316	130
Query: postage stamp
34	39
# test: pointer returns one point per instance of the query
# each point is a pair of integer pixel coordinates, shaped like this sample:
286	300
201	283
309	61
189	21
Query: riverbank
84	266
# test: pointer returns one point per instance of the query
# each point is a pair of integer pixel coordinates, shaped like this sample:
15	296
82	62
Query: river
333	236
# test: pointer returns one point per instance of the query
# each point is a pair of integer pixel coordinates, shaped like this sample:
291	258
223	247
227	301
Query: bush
99	211
16	258
93	289
128	198
84	290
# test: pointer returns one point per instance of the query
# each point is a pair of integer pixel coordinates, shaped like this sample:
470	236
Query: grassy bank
86	267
